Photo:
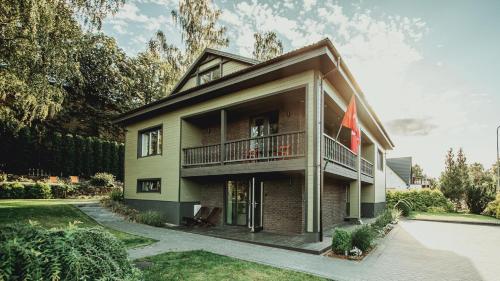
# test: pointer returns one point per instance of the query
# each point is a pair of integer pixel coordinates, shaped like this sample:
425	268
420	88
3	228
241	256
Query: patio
294	242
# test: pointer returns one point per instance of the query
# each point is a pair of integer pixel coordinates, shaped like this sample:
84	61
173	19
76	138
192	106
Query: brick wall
333	202
212	195
283	205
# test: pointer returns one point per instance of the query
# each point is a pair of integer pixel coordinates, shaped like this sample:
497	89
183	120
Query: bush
493	208
341	242
116	195
61	190
478	197
102	180
11	190
419	199
3	177
38	190
384	219
34	253
150	218
119	208
363	237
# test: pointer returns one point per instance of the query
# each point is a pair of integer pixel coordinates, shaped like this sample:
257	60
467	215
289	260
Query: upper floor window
149	185
150	142
209	75
380	160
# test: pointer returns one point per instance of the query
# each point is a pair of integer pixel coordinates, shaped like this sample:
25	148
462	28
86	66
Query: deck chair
202	213
74	179
213	218
53	179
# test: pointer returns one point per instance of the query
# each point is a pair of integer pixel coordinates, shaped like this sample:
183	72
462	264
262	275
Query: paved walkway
412	251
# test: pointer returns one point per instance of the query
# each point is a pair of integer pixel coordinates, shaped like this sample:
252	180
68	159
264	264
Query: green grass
201	265
454	217
58	213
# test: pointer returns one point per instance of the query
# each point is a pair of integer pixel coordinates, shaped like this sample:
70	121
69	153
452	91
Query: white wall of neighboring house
394	181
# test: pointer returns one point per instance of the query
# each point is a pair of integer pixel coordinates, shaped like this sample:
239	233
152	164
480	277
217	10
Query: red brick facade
333	202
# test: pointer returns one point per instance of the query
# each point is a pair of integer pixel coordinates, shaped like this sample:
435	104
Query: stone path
409	252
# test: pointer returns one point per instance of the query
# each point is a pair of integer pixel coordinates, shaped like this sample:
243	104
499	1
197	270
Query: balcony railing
366	167
265	148
339	153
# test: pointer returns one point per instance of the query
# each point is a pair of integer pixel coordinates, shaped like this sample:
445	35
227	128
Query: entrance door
256	208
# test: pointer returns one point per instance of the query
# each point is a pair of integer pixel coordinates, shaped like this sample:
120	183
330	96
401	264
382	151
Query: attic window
209	75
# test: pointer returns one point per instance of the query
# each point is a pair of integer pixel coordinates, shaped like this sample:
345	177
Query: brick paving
414	250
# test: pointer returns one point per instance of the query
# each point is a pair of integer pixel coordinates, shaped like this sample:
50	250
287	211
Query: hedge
58	154
31	252
39	190
422	200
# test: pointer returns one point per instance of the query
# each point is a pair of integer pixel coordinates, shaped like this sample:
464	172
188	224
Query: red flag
351	121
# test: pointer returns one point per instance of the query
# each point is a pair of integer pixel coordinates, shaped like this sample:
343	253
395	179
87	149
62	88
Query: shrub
11	190
102	180
3	177
61	190
119	208
383	219
341	242
34	253
477	197
363	237
150	218
419	199
493	208
38	190
116	195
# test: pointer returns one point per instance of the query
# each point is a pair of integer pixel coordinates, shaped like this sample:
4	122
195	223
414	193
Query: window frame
139	140
139	181
214	68
380	160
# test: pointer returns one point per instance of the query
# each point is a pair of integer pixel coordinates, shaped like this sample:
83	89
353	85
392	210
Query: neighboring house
256	139
399	173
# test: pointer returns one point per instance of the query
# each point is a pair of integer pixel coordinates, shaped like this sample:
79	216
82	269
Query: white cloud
308	4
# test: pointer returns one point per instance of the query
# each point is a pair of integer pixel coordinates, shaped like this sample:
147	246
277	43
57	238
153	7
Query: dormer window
209	75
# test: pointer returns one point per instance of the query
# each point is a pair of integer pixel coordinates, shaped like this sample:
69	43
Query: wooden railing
201	155
272	147
366	167
339	153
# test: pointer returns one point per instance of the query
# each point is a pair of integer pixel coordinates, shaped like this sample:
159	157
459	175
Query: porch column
355	192
223	125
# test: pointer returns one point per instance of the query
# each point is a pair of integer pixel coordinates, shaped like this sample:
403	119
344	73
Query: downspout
322	169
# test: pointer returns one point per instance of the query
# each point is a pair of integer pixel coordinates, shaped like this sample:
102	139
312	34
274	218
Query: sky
430	69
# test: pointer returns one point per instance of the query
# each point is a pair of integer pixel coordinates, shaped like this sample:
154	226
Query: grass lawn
201	265
57	213
454	217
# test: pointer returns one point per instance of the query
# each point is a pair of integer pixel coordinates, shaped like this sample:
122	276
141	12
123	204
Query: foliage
481	190
34	253
493	208
3	177
116	195
388	216
341	241
455	179
119	208
419	199
102	180
363	237
61	190
58	154
150	218
11	190
38	190
417	171
266	46
37	43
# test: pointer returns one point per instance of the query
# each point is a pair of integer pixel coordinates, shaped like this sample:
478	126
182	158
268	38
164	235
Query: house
399	173
257	139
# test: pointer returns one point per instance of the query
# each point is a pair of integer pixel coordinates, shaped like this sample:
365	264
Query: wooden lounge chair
202	213
213	218
74	179
53	179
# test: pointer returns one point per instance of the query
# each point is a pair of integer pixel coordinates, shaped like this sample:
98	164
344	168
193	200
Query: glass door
236	202
256	206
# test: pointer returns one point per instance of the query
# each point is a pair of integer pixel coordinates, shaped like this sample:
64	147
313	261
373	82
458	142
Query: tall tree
266	46
450	183
417	171
38	40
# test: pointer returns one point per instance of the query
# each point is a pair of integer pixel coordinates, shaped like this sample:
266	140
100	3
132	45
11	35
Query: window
380	160
209	75
149	185
150	142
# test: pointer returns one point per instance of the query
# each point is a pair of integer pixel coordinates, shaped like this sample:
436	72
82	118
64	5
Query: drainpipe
322	169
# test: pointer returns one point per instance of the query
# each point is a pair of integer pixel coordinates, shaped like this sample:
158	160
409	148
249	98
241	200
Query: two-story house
257	139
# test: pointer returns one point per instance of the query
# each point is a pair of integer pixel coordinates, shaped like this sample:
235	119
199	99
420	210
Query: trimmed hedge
40	190
422	200
31	252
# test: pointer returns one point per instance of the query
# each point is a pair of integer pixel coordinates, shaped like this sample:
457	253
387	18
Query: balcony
274	147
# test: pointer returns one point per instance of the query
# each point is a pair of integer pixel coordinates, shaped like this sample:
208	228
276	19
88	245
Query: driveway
414	250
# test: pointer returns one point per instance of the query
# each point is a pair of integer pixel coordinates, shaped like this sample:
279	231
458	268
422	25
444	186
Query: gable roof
222	85
402	167
202	57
